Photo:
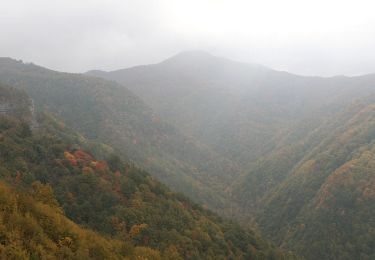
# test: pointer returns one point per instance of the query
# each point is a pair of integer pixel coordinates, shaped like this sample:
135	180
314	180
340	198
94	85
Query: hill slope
32	224
97	190
32	228
241	110
304	145
323	208
109	113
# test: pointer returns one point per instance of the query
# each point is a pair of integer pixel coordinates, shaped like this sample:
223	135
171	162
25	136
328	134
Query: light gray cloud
308	37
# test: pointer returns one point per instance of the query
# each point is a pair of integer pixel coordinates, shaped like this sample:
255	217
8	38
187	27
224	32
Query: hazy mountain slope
108	112
96	189
314	196
32	224
190	90
309	184
294	136
241	110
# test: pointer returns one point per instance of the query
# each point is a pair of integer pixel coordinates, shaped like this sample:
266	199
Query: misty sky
319	37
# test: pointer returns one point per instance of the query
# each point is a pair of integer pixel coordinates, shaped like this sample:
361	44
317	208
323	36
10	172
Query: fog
305	37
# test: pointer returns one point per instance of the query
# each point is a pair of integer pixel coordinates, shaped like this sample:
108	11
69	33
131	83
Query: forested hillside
54	171
121	138
303	144
286	154
33	227
327	191
107	112
243	111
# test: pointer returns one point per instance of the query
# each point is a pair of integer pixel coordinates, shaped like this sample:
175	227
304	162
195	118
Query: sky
320	37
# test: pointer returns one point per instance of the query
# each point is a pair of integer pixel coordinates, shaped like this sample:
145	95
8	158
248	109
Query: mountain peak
194	53
200	59
190	56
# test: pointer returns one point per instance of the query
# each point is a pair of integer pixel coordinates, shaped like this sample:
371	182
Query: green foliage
319	203
109	113
14	103
31	229
302	164
114	198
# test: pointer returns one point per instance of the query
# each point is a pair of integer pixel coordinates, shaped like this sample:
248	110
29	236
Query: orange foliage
335	178
18	177
72	159
81	155
136	229
87	170
65	241
101	166
117	174
93	164
344	168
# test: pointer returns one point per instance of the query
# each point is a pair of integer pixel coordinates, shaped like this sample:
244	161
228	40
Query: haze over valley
200	130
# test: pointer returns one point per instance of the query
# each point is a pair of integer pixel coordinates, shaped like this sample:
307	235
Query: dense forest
285	155
303	145
64	196
34	227
187	130
107	112
327	191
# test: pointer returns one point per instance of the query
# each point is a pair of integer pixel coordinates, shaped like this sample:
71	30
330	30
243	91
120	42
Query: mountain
287	154
304	145
241	110
64	196
109	113
236	108
191	91
323	207
33	225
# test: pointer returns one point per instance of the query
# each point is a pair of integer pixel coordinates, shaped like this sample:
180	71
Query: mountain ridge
116	116
196	55
296	139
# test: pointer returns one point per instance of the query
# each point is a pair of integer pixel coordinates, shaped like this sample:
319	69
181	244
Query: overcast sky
319	37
